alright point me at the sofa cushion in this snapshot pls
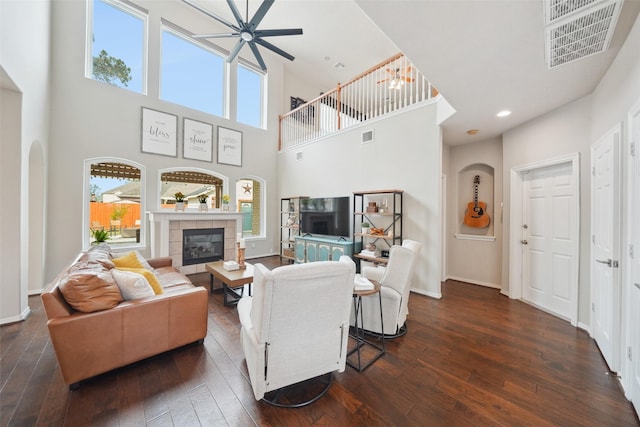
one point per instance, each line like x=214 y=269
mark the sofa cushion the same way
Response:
x=132 y=285
x=151 y=278
x=90 y=290
x=170 y=278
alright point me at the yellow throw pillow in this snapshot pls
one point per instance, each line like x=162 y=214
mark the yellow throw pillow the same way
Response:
x=129 y=260
x=151 y=278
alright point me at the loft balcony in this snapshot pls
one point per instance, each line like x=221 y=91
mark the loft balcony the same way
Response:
x=390 y=86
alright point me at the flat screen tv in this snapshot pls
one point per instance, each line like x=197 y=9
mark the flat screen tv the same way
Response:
x=327 y=216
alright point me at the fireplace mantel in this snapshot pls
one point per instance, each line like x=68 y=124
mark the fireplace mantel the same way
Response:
x=163 y=222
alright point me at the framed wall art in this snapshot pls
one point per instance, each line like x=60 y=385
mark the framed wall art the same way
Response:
x=229 y=146
x=159 y=132
x=197 y=140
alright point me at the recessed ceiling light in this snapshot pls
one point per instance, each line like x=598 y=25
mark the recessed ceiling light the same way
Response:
x=473 y=131
x=503 y=113
x=338 y=66
x=327 y=58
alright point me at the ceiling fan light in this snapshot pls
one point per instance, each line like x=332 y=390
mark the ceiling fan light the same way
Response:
x=246 y=36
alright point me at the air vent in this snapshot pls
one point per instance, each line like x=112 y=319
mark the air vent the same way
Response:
x=558 y=9
x=366 y=137
x=584 y=32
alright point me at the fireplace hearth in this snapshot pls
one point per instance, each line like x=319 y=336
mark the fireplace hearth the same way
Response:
x=202 y=245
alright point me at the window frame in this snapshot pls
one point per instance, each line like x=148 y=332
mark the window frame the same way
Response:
x=86 y=200
x=223 y=178
x=130 y=9
x=263 y=204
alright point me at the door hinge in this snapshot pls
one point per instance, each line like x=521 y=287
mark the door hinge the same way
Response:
x=629 y=354
x=631 y=251
x=632 y=149
x=593 y=170
x=593 y=239
x=593 y=307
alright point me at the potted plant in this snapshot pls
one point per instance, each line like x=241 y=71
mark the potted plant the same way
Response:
x=365 y=227
x=179 y=201
x=203 y=202
x=99 y=236
x=225 y=202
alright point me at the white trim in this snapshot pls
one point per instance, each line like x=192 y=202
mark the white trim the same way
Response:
x=474 y=282
x=475 y=237
x=13 y=319
x=515 y=208
x=427 y=293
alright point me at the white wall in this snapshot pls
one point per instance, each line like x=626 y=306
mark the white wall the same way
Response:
x=24 y=63
x=405 y=155
x=475 y=261
x=92 y=119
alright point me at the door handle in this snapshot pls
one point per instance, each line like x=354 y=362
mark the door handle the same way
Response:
x=608 y=261
x=524 y=242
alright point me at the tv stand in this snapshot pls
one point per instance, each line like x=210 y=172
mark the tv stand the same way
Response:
x=311 y=248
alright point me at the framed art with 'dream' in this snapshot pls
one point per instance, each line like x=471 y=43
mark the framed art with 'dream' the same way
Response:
x=197 y=140
x=229 y=146
x=159 y=132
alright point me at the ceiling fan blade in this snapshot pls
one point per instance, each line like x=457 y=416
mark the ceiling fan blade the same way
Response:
x=256 y=53
x=274 y=49
x=214 y=36
x=257 y=18
x=235 y=50
x=211 y=15
x=236 y=12
x=281 y=32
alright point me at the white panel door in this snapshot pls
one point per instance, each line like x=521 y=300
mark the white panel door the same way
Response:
x=634 y=286
x=549 y=239
x=605 y=226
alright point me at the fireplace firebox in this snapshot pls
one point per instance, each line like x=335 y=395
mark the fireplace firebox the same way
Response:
x=202 y=245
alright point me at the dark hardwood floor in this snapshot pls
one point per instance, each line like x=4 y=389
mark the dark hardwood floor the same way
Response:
x=473 y=358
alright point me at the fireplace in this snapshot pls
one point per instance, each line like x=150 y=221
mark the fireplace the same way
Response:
x=202 y=245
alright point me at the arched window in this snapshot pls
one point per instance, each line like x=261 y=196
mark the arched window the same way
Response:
x=250 y=200
x=114 y=201
x=192 y=183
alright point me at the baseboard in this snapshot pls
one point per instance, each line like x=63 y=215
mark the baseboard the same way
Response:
x=475 y=282
x=437 y=295
x=14 y=319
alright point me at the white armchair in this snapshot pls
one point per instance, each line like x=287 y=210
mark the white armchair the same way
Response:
x=395 y=281
x=296 y=325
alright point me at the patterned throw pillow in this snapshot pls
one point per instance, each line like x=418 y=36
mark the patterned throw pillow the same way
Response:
x=132 y=285
x=151 y=278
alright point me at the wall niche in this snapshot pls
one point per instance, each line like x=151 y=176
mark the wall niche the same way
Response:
x=475 y=220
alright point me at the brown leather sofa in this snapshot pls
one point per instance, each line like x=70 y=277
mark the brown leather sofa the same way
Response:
x=91 y=343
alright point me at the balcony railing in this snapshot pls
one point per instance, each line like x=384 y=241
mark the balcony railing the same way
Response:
x=389 y=86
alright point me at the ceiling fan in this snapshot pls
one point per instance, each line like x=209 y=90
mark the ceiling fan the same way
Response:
x=397 y=78
x=247 y=31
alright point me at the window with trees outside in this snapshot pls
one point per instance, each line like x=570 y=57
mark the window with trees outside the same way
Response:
x=193 y=184
x=191 y=74
x=116 y=48
x=116 y=202
x=250 y=99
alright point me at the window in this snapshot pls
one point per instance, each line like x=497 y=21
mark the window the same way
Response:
x=191 y=75
x=250 y=201
x=249 y=96
x=192 y=183
x=117 y=45
x=114 y=195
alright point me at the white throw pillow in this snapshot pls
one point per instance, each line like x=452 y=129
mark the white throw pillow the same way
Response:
x=132 y=285
x=143 y=261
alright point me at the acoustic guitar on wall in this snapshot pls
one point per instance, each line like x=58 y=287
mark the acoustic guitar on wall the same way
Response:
x=476 y=214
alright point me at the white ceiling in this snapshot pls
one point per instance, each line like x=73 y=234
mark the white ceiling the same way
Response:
x=483 y=55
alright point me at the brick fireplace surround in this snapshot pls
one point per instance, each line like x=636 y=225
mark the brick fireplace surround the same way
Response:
x=166 y=233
